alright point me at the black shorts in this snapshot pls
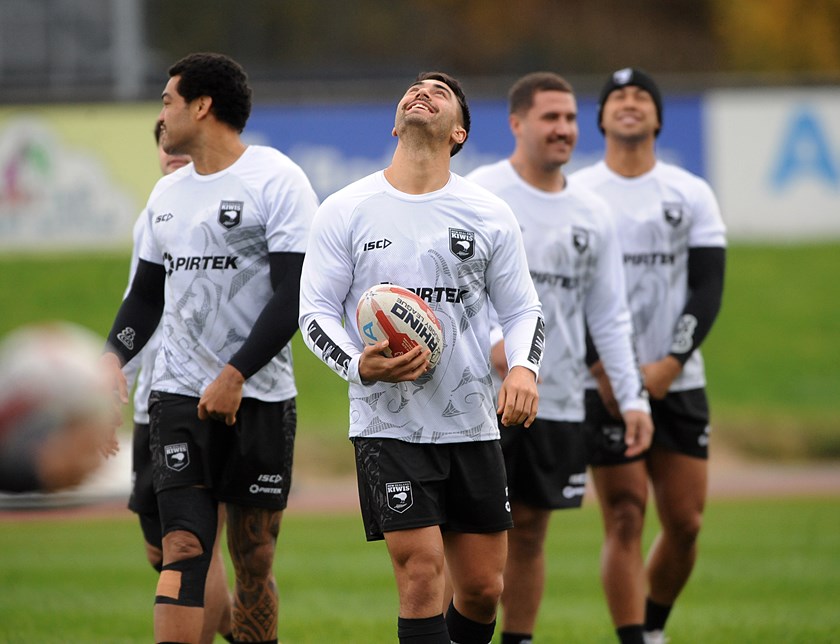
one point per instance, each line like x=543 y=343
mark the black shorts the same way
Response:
x=546 y=463
x=459 y=486
x=680 y=421
x=248 y=464
x=142 y=499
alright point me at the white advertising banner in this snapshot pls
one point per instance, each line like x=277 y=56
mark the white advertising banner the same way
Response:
x=774 y=162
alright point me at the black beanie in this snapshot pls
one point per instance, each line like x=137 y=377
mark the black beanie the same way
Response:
x=637 y=78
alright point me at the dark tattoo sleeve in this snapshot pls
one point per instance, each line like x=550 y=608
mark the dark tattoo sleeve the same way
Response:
x=252 y=539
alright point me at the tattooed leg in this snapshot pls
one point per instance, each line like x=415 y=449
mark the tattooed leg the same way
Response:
x=252 y=538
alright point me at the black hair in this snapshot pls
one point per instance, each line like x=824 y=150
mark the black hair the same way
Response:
x=222 y=79
x=455 y=86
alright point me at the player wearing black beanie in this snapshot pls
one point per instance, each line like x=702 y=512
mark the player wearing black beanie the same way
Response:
x=673 y=242
x=637 y=78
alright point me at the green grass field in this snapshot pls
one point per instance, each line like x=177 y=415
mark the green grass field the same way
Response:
x=773 y=358
x=768 y=572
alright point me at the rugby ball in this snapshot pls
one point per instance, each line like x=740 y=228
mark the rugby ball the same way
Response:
x=392 y=312
x=56 y=405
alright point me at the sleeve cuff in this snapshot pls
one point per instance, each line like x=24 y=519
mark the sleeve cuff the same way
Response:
x=530 y=366
x=637 y=404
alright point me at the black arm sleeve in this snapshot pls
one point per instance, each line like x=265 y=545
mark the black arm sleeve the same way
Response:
x=278 y=321
x=706 y=268
x=591 y=352
x=140 y=312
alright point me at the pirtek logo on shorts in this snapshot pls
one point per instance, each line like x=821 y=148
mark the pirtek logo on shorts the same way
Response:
x=256 y=488
x=177 y=456
x=576 y=486
x=399 y=496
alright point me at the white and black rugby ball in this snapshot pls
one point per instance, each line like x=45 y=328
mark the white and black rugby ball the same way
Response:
x=392 y=312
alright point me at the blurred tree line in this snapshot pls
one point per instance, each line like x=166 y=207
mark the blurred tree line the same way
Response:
x=326 y=39
x=120 y=49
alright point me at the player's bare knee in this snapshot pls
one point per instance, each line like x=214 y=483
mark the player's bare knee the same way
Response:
x=181 y=544
x=481 y=598
x=684 y=531
x=626 y=520
x=418 y=573
x=490 y=593
x=480 y=589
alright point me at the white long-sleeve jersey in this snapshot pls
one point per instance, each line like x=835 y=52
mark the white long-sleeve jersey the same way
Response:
x=575 y=263
x=457 y=248
x=659 y=216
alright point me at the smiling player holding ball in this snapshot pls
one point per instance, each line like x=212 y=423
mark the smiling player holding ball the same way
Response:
x=430 y=470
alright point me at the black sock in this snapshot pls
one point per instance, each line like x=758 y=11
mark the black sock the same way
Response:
x=517 y=638
x=631 y=634
x=229 y=638
x=423 y=630
x=656 y=615
x=463 y=630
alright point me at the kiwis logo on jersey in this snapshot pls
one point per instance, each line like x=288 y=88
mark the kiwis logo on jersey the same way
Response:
x=673 y=213
x=580 y=239
x=462 y=243
x=230 y=214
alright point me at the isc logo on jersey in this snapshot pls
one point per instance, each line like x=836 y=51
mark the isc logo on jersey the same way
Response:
x=379 y=243
x=392 y=312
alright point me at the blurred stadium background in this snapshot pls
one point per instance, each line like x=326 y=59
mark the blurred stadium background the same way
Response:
x=752 y=93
